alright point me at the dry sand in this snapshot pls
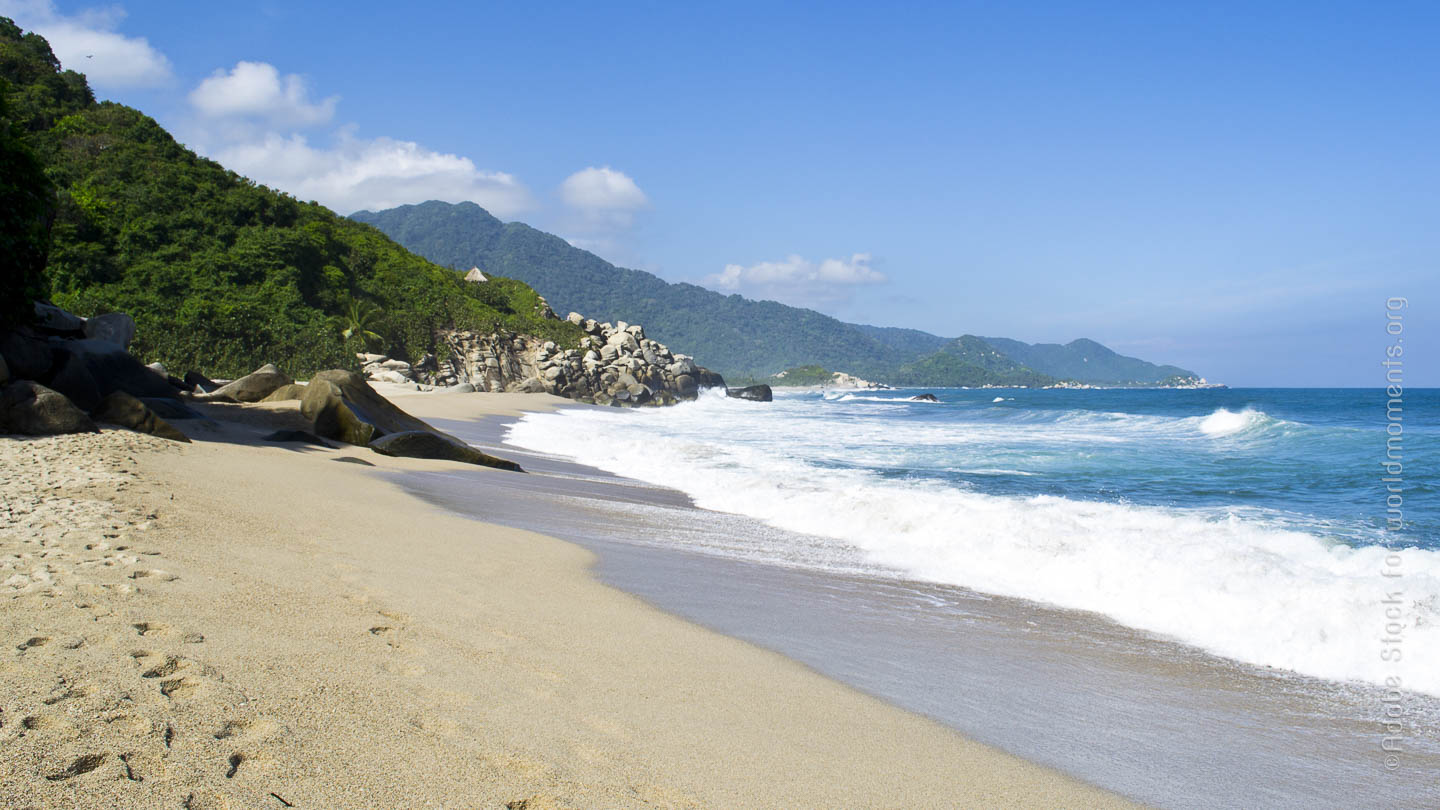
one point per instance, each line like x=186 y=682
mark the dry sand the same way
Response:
x=240 y=624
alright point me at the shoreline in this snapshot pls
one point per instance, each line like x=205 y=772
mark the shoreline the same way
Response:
x=306 y=632
x=1071 y=689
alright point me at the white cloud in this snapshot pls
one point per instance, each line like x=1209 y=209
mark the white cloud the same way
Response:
x=87 y=42
x=605 y=198
x=257 y=90
x=378 y=173
x=249 y=119
x=799 y=281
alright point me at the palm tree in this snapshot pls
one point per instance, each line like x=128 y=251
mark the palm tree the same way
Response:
x=359 y=320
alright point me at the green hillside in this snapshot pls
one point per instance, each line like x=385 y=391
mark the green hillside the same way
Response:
x=219 y=273
x=744 y=339
x=968 y=361
x=734 y=335
x=1086 y=361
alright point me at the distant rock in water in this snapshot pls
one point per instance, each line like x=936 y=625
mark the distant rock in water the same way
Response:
x=754 y=393
x=924 y=398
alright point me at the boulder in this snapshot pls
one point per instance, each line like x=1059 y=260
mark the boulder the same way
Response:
x=116 y=327
x=431 y=444
x=170 y=409
x=57 y=321
x=34 y=410
x=532 y=385
x=462 y=388
x=342 y=406
x=624 y=342
x=87 y=370
x=924 y=398
x=286 y=393
x=754 y=393
x=196 y=381
x=686 y=386
x=29 y=357
x=119 y=408
x=575 y=318
x=253 y=387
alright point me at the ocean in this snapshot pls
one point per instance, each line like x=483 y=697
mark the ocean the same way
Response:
x=1249 y=523
x=1191 y=597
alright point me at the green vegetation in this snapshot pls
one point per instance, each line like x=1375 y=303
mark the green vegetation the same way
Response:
x=1086 y=361
x=29 y=203
x=968 y=361
x=803 y=375
x=747 y=341
x=740 y=338
x=222 y=274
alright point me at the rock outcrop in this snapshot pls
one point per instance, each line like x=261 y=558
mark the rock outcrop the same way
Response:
x=32 y=409
x=344 y=407
x=253 y=387
x=119 y=408
x=433 y=444
x=286 y=393
x=615 y=364
x=754 y=393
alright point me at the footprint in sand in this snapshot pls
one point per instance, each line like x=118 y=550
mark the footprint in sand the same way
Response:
x=248 y=730
x=64 y=692
x=179 y=676
x=153 y=573
x=78 y=767
x=161 y=629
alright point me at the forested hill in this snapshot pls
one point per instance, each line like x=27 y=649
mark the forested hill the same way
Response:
x=734 y=335
x=742 y=338
x=1086 y=361
x=219 y=273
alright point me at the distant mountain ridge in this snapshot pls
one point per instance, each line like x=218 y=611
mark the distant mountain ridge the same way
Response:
x=738 y=336
x=1086 y=361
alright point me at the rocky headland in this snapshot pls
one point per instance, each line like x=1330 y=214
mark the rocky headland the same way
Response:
x=615 y=364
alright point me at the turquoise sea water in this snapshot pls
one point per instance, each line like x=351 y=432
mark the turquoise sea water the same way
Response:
x=1307 y=457
x=1248 y=522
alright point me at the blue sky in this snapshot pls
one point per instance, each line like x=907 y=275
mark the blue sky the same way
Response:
x=1233 y=188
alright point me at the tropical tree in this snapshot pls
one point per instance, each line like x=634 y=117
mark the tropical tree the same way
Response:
x=360 y=319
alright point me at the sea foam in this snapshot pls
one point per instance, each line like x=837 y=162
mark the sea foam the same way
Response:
x=1234 y=582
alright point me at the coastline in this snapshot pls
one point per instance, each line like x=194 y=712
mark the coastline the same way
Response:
x=281 y=628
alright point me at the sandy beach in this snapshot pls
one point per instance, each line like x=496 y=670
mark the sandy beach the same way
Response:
x=235 y=623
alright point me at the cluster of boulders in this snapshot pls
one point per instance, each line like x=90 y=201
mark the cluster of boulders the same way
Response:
x=64 y=374
x=342 y=406
x=615 y=365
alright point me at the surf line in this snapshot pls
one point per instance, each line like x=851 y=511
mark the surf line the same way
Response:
x=1392 y=638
